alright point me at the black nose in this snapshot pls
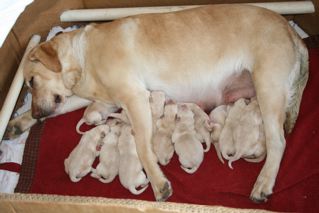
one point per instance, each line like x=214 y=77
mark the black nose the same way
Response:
x=57 y=99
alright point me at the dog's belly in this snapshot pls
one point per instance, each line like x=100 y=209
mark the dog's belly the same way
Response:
x=208 y=91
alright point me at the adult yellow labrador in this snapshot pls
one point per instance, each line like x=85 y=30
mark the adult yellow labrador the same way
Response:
x=210 y=55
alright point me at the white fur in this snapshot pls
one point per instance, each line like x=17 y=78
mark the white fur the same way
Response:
x=130 y=171
x=79 y=162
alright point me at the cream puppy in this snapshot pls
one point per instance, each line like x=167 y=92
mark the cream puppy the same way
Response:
x=162 y=138
x=95 y=114
x=120 y=117
x=202 y=125
x=79 y=162
x=157 y=102
x=187 y=146
x=248 y=135
x=217 y=121
x=108 y=167
x=226 y=139
x=130 y=171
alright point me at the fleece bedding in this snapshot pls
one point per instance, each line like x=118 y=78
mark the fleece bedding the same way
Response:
x=296 y=189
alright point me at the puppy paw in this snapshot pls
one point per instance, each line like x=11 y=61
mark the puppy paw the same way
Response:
x=262 y=189
x=163 y=192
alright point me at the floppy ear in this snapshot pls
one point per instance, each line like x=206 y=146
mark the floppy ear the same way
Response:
x=47 y=55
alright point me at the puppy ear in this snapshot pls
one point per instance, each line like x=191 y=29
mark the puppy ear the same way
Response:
x=47 y=55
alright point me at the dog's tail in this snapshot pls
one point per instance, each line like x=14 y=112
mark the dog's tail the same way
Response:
x=189 y=170
x=298 y=79
x=134 y=191
x=78 y=125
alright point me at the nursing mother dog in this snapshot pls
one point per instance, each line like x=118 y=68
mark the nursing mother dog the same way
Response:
x=210 y=55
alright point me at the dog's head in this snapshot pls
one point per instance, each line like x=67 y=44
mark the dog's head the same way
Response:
x=43 y=75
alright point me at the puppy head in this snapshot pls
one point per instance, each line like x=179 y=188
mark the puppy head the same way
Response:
x=43 y=75
x=170 y=111
x=185 y=113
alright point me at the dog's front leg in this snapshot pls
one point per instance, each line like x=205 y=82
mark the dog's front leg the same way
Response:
x=138 y=110
x=19 y=125
x=25 y=121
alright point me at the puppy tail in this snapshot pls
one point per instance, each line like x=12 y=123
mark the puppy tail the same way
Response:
x=188 y=170
x=208 y=142
x=94 y=173
x=219 y=154
x=137 y=192
x=232 y=159
x=78 y=125
x=298 y=80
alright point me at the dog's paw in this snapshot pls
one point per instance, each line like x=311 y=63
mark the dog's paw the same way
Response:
x=262 y=189
x=19 y=124
x=13 y=131
x=163 y=192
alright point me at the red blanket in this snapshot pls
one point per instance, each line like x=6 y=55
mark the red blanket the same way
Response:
x=296 y=189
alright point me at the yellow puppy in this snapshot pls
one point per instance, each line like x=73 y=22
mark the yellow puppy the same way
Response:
x=130 y=171
x=79 y=162
x=109 y=164
x=162 y=138
x=187 y=146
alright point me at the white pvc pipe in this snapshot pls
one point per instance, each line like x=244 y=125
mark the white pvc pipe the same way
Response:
x=284 y=8
x=15 y=88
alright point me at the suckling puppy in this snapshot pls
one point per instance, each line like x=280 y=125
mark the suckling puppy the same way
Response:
x=162 y=138
x=120 y=116
x=248 y=135
x=217 y=121
x=95 y=114
x=217 y=118
x=130 y=171
x=226 y=139
x=79 y=162
x=108 y=167
x=157 y=102
x=187 y=146
x=202 y=125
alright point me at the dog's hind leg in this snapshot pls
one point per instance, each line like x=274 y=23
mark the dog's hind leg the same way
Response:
x=270 y=79
x=138 y=110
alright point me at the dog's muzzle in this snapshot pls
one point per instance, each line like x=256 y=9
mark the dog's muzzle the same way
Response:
x=38 y=112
